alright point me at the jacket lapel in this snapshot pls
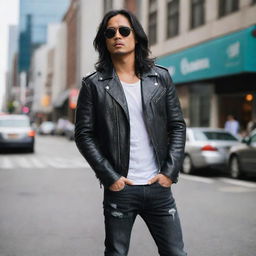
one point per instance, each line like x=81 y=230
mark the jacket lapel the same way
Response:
x=114 y=88
x=149 y=86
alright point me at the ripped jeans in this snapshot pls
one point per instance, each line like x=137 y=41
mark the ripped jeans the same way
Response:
x=156 y=205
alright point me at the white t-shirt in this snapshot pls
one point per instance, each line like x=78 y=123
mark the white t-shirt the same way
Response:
x=142 y=164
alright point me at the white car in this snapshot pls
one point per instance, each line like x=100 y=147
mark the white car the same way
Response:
x=207 y=147
x=16 y=132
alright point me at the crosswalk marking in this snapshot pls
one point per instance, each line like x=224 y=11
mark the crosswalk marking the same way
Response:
x=23 y=162
x=6 y=163
x=38 y=163
x=30 y=162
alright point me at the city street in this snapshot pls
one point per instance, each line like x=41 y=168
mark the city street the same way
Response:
x=51 y=204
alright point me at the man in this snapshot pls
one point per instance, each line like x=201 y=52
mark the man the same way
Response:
x=130 y=129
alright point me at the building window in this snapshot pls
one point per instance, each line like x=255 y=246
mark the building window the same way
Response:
x=108 y=5
x=152 y=22
x=197 y=13
x=227 y=6
x=172 y=18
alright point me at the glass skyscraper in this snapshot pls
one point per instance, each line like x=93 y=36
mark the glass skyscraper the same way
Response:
x=35 y=15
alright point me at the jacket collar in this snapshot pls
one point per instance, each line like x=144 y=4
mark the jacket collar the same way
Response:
x=110 y=73
x=106 y=74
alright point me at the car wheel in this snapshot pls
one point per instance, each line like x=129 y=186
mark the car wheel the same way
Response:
x=187 y=166
x=234 y=167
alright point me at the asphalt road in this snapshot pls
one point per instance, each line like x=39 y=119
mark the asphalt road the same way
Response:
x=51 y=204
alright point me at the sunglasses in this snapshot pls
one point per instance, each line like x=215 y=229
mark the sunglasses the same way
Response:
x=123 y=31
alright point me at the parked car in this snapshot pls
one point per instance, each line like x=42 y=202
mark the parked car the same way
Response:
x=16 y=132
x=70 y=131
x=242 y=158
x=207 y=147
x=47 y=128
x=61 y=126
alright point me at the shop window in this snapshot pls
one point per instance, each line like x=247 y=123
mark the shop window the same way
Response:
x=228 y=6
x=152 y=22
x=172 y=18
x=197 y=13
x=199 y=105
x=183 y=94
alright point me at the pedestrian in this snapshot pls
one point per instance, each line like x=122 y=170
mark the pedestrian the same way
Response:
x=232 y=125
x=130 y=129
x=251 y=126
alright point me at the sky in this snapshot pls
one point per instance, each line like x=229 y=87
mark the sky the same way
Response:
x=9 y=13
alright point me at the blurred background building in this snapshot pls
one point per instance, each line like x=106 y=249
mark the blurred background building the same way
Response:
x=33 y=22
x=11 y=77
x=208 y=46
x=34 y=17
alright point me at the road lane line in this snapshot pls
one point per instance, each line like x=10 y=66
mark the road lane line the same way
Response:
x=238 y=182
x=197 y=178
x=236 y=189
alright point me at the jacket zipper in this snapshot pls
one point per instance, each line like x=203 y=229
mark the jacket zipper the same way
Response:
x=118 y=138
x=159 y=96
x=154 y=146
x=150 y=132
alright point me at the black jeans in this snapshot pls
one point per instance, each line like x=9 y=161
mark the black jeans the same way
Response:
x=156 y=205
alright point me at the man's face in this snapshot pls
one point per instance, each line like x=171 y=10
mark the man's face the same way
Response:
x=120 y=45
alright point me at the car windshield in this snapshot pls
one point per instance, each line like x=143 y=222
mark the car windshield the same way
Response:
x=14 y=123
x=211 y=135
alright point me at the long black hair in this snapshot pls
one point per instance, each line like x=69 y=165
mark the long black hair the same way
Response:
x=142 y=61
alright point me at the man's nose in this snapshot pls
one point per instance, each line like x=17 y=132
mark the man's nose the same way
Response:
x=118 y=35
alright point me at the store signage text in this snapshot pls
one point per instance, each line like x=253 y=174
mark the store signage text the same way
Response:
x=233 y=50
x=187 y=67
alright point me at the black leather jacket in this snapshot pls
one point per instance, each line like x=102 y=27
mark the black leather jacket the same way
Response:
x=102 y=130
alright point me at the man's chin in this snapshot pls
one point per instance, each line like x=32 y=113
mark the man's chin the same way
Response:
x=120 y=53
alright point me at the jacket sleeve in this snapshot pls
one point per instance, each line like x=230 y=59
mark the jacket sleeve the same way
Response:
x=86 y=140
x=176 y=133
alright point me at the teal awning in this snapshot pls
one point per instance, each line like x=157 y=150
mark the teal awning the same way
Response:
x=231 y=54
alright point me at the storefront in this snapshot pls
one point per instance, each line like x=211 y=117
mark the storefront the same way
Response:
x=216 y=78
x=65 y=105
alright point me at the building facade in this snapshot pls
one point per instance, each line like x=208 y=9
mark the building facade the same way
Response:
x=209 y=48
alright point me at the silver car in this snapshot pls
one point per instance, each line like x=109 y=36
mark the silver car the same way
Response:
x=242 y=159
x=16 y=132
x=207 y=147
